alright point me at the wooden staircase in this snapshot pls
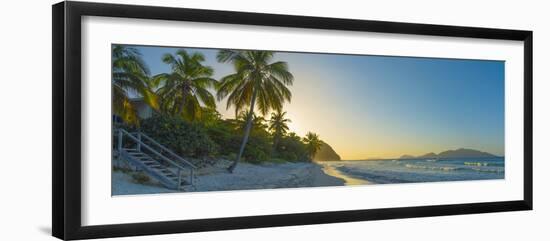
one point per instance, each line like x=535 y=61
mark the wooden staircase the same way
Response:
x=157 y=161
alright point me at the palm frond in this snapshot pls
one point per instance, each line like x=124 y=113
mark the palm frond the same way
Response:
x=185 y=88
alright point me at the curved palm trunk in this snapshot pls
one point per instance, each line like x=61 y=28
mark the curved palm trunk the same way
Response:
x=246 y=133
x=275 y=142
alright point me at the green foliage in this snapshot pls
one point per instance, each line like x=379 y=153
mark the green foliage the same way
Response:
x=313 y=143
x=257 y=80
x=209 y=117
x=292 y=149
x=222 y=138
x=183 y=137
x=228 y=134
x=255 y=72
x=141 y=178
x=186 y=120
x=258 y=124
x=129 y=73
x=278 y=127
x=257 y=149
x=225 y=135
x=232 y=156
x=184 y=89
x=278 y=123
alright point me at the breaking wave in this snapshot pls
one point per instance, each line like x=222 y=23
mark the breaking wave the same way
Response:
x=441 y=168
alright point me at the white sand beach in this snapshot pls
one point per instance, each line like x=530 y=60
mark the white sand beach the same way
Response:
x=245 y=177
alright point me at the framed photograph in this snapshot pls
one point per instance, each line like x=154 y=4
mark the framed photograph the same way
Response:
x=170 y=120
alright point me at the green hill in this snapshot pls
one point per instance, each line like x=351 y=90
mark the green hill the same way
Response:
x=463 y=152
x=458 y=153
x=326 y=153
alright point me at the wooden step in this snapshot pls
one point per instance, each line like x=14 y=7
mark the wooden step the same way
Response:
x=183 y=181
x=138 y=155
x=144 y=158
x=159 y=170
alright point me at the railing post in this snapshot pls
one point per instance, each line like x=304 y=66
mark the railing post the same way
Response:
x=119 y=142
x=179 y=179
x=139 y=141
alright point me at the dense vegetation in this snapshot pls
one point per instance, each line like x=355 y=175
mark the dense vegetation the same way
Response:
x=183 y=137
x=184 y=102
x=222 y=138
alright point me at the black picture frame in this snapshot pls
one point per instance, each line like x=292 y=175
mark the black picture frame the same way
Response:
x=66 y=158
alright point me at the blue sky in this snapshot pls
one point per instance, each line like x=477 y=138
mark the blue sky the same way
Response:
x=383 y=107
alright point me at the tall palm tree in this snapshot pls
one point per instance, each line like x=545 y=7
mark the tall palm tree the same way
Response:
x=313 y=144
x=256 y=79
x=278 y=126
x=130 y=74
x=184 y=89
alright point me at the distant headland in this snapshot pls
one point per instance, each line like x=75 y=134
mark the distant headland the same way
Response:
x=458 y=153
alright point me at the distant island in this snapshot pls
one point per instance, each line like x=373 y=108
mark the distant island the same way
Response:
x=406 y=157
x=458 y=153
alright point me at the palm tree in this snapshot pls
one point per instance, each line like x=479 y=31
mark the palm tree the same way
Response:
x=278 y=125
x=129 y=74
x=257 y=121
x=313 y=144
x=293 y=135
x=184 y=89
x=256 y=79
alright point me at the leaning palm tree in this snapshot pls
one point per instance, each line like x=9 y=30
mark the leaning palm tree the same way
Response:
x=184 y=89
x=313 y=144
x=256 y=80
x=278 y=126
x=129 y=75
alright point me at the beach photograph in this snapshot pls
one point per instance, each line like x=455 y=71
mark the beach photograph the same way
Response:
x=187 y=119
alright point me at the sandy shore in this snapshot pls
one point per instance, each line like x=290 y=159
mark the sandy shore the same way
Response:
x=245 y=177
x=332 y=171
x=122 y=184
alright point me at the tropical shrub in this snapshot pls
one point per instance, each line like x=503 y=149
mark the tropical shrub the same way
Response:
x=292 y=149
x=223 y=133
x=228 y=134
x=257 y=149
x=183 y=137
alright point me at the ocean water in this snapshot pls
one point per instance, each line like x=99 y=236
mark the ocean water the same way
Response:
x=422 y=170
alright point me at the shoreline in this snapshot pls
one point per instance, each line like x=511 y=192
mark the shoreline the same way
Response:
x=349 y=181
x=245 y=177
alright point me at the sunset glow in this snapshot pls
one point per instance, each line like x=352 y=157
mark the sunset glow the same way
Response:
x=384 y=107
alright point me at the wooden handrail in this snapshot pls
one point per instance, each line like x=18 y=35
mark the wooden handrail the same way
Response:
x=151 y=149
x=168 y=150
